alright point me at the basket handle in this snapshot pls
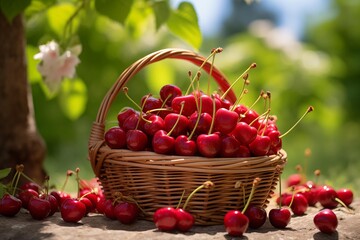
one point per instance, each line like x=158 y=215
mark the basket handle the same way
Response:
x=98 y=129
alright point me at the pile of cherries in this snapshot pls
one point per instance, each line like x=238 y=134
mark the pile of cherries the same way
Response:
x=193 y=122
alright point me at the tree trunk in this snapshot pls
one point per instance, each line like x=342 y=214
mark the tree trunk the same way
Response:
x=20 y=142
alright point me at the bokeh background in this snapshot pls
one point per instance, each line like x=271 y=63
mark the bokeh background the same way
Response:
x=307 y=53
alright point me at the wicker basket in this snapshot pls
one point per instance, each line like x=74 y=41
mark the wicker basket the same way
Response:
x=156 y=180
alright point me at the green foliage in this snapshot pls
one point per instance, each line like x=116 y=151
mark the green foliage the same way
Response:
x=73 y=98
x=161 y=11
x=12 y=8
x=116 y=10
x=4 y=172
x=184 y=23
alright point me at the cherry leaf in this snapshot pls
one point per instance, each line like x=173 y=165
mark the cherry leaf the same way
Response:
x=183 y=22
x=161 y=11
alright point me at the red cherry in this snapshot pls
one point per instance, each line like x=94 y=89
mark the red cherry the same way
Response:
x=88 y=204
x=60 y=196
x=53 y=204
x=72 y=210
x=115 y=137
x=207 y=104
x=109 y=209
x=244 y=152
x=345 y=195
x=39 y=208
x=100 y=205
x=151 y=103
x=294 y=179
x=136 y=140
x=229 y=146
x=256 y=215
x=282 y=198
x=236 y=223
x=31 y=185
x=132 y=121
x=169 y=92
x=209 y=145
x=185 y=220
x=124 y=114
x=126 y=212
x=165 y=219
x=184 y=146
x=244 y=133
x=156 y=123
x=299 y=204
x=25 y=196
x=178 y=128
x=327 y=196
x=162 y=143
x=203 y=125
x=225 y=120
x=326 y=221
x=260 y=146
x=279 y=217
x=189 y=104
x=9 y=205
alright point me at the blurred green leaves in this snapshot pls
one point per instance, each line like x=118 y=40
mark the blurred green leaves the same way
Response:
x=11 y=8
x=116 y=10
x=73 y=98
x=183 y=22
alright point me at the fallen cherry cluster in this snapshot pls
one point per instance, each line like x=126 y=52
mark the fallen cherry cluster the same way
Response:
x=197 y=123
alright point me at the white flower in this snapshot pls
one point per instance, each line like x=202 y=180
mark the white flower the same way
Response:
x=54 y=67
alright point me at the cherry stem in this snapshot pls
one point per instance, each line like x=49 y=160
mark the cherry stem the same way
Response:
x=278 y=171
x=125 y=90
x=197 y=121
x=213 y=116
x=123 y=198
x=47 y=178
x=68 y=174
x=255 y=183
x=213 y=52
x=210 y=73
x=317 y=175
x=258 y=98
x=292 y=197
x=207 y=184
x=310 y=109
x=178 y=119
x=181 y=198
x=239 y=184
x=253 y=65
x=344 y=205
x=78 y=182
x=141 y=113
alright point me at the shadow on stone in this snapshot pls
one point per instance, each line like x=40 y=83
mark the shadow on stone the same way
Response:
x=324 y=236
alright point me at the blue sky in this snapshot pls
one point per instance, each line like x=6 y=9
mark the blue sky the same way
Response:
x=292 y=13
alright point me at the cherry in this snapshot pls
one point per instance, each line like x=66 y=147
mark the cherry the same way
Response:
x=185 y=220
x=260 y=146
x=225 y=120
x=297 y=203
x=203 y=125
x=256 y=215
x=163 y=143
x=345 y=195
x=132 y=121
x=327 y=197
x=281 y=199
x=326 y=221
x=229 y=146
x=39 y=208
x=244 y=152
x=136 y=140
x=236 y=223
x=279 y=217
x=154 y=124
x=54 y=205
x=87 y=193
x=100 y=205
x=124 y=114
x=209 y=145
x=294 y=179
x=165 y=219
x=169 y=92
x=126 y=212
x=109 y=209
x=60 y=196
x=176 y=123
x=189 y=104
x=207 y=105
x=9 y=205
x=115 y=137
x=88 y=204
x=25 y=196
x=185 y=146
x=72 y=210
x=31 y=185
x=244 y=133
x=150 y=103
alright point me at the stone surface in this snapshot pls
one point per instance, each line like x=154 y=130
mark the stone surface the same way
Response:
x=96 y=226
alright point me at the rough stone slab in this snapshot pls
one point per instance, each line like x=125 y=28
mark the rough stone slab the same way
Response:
x=96 y=226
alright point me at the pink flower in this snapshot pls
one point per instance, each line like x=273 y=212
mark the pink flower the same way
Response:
x=54 y=67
